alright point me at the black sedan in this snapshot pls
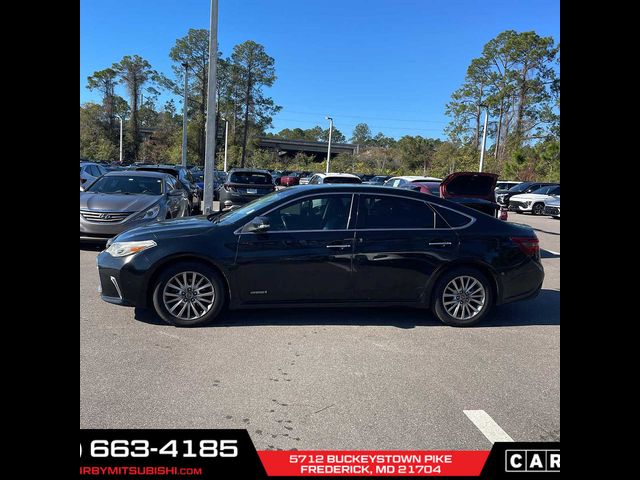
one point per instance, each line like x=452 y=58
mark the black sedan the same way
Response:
x=325 y=245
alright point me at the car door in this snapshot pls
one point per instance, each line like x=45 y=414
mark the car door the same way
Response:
x=304 y=256
x=399 y=243
x=174 y=202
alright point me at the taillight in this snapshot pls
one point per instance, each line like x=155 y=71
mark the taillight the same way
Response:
x=504 y=215
x=530 y=246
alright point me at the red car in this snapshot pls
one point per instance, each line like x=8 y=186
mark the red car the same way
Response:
x=290 y=180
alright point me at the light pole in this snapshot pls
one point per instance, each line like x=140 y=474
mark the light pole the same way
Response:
x=184 y=117
x=329 y=147
x=226 y=136
x=210 y=139
x=484 y=135
x=120 y=118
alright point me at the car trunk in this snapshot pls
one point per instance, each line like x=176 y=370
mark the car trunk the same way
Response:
x=473 y=189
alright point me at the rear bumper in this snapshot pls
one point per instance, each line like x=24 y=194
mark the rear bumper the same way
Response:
x=521 y=283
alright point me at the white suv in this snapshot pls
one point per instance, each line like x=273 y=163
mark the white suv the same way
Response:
x=534 y=202
x=407 y=179
x=324 y=178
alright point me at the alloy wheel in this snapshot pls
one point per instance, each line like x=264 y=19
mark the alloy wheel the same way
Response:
x=464 y=297
x=188 y=295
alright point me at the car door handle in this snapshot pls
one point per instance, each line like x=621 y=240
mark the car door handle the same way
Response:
x=338 y=246
x=439 y=244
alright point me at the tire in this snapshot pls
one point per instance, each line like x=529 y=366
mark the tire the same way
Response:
x=465 y=317
x=537 y=209
x=168 y=299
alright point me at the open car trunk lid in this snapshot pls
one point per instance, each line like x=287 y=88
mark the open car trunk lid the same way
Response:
x=469 y=185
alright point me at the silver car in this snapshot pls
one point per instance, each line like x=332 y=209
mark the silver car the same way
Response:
x=552 y=207
x=89 y=171
x=121 y=200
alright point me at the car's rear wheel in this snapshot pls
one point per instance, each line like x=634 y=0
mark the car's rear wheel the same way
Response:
x=462 y=297
x=188 y=294
x=538 y=209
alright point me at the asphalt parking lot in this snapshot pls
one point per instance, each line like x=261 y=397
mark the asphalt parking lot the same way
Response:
x=329 y=378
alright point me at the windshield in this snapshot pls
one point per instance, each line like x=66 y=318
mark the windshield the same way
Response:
x=127 y=185
x=521 y=187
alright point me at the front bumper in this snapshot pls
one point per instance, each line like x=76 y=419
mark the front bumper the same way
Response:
x=553 y=211
x=515 y=206
x=100 y=232
x=123 y=280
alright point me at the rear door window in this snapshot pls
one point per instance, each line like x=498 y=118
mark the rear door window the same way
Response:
x=387 y=212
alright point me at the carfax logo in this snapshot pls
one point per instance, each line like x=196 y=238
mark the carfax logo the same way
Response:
x=532 y=460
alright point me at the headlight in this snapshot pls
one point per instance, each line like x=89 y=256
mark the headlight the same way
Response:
x=151 y=213
x=122 y=249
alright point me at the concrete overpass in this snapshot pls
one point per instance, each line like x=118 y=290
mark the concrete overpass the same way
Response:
x=288 y=148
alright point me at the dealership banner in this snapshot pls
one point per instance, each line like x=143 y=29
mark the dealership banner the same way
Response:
x=373 y=463
x=204 y=454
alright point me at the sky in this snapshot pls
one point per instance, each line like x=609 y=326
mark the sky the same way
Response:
x=392 y=64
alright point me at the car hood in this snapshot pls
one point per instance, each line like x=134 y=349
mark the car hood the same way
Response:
x=178 y=227
x=469 y=185
x=116 y=203
x=523 y=197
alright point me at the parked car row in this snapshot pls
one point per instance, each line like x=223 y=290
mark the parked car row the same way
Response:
x=529 y=197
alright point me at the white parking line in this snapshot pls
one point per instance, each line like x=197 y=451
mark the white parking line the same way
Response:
x=551 y=252
x=487 y=426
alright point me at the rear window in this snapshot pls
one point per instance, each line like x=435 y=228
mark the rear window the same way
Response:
x=253 y=178
x=342 y=180
x=447 y=218
x=470 y=185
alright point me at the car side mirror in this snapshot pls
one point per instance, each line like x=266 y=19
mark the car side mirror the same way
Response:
x=258 y=224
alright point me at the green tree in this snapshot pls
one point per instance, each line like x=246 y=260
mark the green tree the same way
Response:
x=134 y=72
x=361 y=134
x=253 y=70
x=193 y=50
x=95 y=143
x=336 y=136
x=416 y=152
x=516 y=77
x=104 y=81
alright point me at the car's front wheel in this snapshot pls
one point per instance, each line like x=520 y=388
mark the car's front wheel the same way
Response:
x=538 y=209
x=462 y=297
x=188 y=294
